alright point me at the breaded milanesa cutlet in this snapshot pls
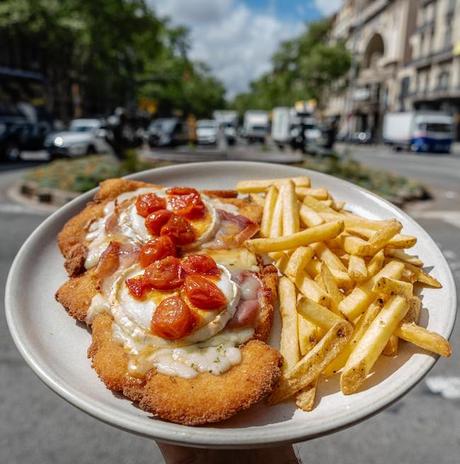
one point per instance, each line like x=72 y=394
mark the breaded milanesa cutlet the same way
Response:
x=203 y=399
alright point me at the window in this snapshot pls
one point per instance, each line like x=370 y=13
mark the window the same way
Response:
x=443 y=80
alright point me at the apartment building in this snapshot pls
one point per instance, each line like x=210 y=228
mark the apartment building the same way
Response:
x=406 y=55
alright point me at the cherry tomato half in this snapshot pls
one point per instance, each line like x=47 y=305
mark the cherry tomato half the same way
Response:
x=203 y=293
x=138 y=287
x=200 y=264
x=179 y=230
x=173 y=319
x=148 y=203
x=155 y=249
x=156 y=220
x=186 y=202
x=165 y=274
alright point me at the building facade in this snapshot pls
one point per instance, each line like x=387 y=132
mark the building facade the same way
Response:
x=406 y=55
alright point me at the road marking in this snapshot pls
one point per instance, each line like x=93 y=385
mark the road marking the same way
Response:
x=447 y=387
x=451 y=217
x=10 y=208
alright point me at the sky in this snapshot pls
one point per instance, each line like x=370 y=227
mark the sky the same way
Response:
x=236 y=38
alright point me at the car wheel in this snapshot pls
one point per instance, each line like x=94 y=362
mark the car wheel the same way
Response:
x=13 y=153
x=91 y=150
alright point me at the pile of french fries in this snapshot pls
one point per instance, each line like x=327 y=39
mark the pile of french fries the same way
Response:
x=348 y=290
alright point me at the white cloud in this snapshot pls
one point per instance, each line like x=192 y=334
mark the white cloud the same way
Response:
x=327 y=7
x=233 y=40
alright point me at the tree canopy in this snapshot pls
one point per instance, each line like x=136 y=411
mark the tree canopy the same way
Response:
x=116 y=51
x=303 y=68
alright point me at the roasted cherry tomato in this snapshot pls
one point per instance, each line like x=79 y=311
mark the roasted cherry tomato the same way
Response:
x=156 y=220
x=181 y=191
x=200 y=264
x=186 y=202
x=155 y=249
x=173 y=319
x=203 y=293
x=165 y=274
x=148 y=203
x=179 y=230
x=138 y=287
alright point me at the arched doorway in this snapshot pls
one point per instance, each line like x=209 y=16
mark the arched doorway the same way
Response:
x=374 y=51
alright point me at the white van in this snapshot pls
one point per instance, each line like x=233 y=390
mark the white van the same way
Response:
x=419 y=131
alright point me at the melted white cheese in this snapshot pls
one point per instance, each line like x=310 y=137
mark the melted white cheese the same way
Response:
x=211 y=348
x=132 y=226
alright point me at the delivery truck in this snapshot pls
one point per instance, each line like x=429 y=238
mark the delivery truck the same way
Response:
x=255 y=125
x=419 y=131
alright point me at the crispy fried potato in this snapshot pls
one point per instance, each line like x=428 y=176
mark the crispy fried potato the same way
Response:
x=371 y=345
x=305 y=399
x=305 y=237
x=309 y=368
x=356 y=302
x=257 y=186
x=269 y=207
x=317 y=314
x=297 y=262
x=389 y=286
x=290 y=209
x=357 y=269
x=309 y=217
x=423 y=338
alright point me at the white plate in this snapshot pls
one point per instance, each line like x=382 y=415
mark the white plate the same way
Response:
x=55 y=346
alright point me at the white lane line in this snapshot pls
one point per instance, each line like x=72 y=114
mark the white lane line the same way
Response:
x=451 y=217
x=447 y=387
x=10 y=208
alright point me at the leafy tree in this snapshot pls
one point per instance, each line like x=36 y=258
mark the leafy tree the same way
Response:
x=115 y=51
x=302 y=68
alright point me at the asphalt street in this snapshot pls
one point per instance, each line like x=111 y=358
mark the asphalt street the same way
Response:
x=37 y=426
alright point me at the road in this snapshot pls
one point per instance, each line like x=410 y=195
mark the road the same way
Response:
x=37 y=426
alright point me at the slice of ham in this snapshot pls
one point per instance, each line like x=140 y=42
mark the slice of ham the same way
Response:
x=116 y=255
x=234 y=230
x=245 y=315
x=247 y=310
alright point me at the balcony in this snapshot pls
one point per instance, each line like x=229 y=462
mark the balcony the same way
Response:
x=433 y=57
x=438 y=93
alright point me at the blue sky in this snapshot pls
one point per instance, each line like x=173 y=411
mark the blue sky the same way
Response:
x=236 y=38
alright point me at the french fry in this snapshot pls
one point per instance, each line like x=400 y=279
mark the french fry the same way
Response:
x=305 y=237
x=354 y=245
x=356 y=302
x=320 y=208
x=392 y=346
x=257 y=186
x=402 y=256
x=308 y=335
x=391 y=286
x=375 y=264
x=337 y=268
x=276 y=225
x=305 y=399
x=289 y=344
x=415 y=305
x=357 y=269
x=338 y=205
x=398 y=241
x=269 y=207
x=309 y=217
x=313 y=267
x=331 y=288
x=422 y=277
x=290 y=209
x=257 y=198
x=317 y=314
x=297 y=262
x=371 y=345
x=318 y=193
x=423 y=338
x=360 y=329
x=312 y=290
x=309 y=368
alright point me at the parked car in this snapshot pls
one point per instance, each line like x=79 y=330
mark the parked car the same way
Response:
x=419 y=131
x=167 y=132
x=84 y=137
x=255 y=126
x=207 y=132
x=18 y=133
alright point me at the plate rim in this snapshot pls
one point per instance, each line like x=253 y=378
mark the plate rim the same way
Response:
x=209 y=436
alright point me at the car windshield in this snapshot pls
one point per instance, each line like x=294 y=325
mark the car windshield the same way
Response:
x=163 y=125
x=208 y=125
x=437 y=127
x=77 y=126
